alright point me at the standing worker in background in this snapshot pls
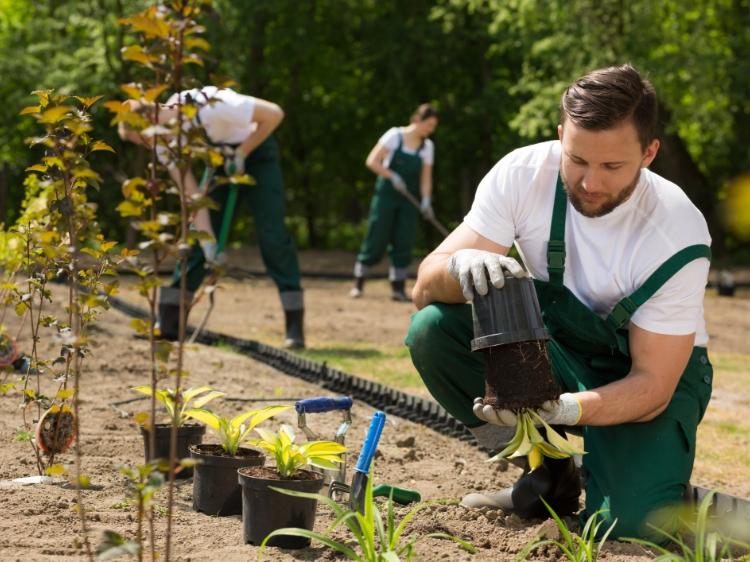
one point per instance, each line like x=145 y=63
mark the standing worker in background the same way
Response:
x=403 y=160
x=620 y=258
x=241 y=127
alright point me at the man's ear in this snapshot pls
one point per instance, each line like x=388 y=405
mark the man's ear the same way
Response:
x=650 y=153
x=560 y=132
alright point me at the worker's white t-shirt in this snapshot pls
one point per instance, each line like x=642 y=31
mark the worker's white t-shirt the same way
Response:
x=390 y=141
x=226 y=116
x=608 y=257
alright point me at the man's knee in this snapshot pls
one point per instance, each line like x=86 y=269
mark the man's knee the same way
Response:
x=424 y=329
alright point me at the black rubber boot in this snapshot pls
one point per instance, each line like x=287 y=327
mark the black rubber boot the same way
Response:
x=169 y=321
x=295 y=332
x=397 y=291
x=358 y=288
x=557 y=481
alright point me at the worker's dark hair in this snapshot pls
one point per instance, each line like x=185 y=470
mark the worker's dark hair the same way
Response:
x=424 y=111
x=604 y=98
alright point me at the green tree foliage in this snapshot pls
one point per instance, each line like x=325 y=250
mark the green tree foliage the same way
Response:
x=346 y=70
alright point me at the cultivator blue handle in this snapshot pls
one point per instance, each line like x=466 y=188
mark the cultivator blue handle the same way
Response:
x=371 y=442
x=323 y=404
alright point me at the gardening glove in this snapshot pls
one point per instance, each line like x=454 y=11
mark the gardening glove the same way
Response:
x=234 y=165
x=209 y=250
x=425 y=207
x=468 y=268
x=398 y=182
x=564 y=411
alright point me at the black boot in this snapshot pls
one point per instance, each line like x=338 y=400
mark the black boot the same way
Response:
x=557 y=481
x=358 y=288
x=168 y=320
x=397 y=291
x=295 y=333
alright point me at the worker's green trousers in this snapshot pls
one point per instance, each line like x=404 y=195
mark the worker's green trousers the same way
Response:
x=637 y=467
x=266 y=203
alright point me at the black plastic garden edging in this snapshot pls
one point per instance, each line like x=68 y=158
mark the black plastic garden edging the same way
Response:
x=391 y=401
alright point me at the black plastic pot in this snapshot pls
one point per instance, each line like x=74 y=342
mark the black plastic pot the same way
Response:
x=508 y=329
x=216 y=490
x=507 y=315
x=265 y=510
x=188 y=434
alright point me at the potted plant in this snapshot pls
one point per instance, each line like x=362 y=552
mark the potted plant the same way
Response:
x=379 y=536
x=187 y=433
x=216 y=490
x=508 y=329
x=263 y=508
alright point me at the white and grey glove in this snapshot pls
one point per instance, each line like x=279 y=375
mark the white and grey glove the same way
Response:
x=425 y=207
x=468 y=268
x=564 y=411
x=234 y=165
x=209 y=250
x=398 y=182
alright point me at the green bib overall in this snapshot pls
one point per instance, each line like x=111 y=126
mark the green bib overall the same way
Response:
x=633 y=468
x=265 y=200
x=392 y=219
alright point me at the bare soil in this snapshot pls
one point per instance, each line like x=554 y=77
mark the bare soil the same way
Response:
x=40 y=522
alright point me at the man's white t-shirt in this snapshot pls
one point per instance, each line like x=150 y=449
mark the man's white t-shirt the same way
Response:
x=226 y=115
x=608 y=257
x=390 y=140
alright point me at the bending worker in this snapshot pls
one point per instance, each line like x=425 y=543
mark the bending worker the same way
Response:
x=241 y=126
x=619 y=258
x=402 y=159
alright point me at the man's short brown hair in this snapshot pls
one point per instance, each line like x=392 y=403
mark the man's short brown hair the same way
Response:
x=605 y=98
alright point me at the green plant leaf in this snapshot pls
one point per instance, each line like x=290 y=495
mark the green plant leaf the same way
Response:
x=204 y=416
x=206 y=398
x=312 y=535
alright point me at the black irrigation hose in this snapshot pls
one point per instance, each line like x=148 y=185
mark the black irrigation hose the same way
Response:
x=413 y=408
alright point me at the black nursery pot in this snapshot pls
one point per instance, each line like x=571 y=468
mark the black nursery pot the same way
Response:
x=216 y=490
x=508 y=315
x=265 y=510
x=508 y=329
x=188 y=434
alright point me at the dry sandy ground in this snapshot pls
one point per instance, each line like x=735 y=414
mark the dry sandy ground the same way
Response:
x=40 y=522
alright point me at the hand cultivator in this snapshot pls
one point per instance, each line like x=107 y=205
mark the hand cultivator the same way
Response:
x=319 y=405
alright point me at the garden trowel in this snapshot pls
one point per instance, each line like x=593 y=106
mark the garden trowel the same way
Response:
x=362 y=471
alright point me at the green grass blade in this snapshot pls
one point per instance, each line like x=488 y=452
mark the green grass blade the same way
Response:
x=337 y=509
x=466 y=545
x=312 y=535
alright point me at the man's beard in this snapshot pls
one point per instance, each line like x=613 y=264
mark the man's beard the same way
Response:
x=607 y=206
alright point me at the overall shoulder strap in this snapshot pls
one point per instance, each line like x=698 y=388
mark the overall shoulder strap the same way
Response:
x=556 y=244
x=623 y=310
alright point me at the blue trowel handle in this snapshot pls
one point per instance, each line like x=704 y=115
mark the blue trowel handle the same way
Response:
x=323 y=404
x=371 y=442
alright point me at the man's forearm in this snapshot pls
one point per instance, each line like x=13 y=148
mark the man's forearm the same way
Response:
x=630 y=400
x=435 y=284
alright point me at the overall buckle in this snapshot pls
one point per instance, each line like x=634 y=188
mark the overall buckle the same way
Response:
x=556 y=254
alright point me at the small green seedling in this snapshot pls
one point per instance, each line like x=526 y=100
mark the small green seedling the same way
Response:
x=290 y=456
x=575 y=548
x=234 y=432
x=379 y=540
x=528 y=441
x=189 y=398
